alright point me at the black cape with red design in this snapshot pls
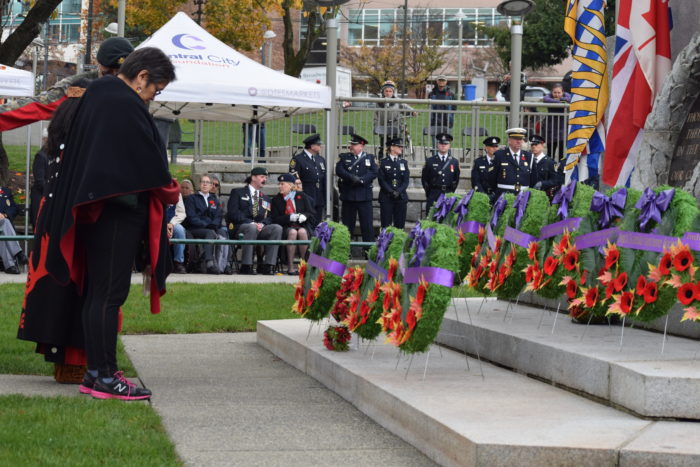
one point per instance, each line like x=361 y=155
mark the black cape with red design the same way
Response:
x=113 y=149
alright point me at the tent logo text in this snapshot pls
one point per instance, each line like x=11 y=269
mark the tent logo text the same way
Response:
x=179 y=38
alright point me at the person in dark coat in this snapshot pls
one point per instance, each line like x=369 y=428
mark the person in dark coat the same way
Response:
x=294 y=211
x=442 y=115
x=108 y=200
x=11 y=254
x=545 y=171
x=440 y=173
x=484 y=169
x=310 y=167
x=393 y=177
x=513 y=164
x=555 y=122
x=249 y=213
x=203 y=219
x=356 y=170
x=40 y=174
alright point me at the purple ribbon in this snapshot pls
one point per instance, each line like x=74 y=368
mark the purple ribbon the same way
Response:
x=470 y=227
x=383 y=243
x=432 y=275
x=323 y=232
x=520 y=206
x=498 y=209
x=519 y=238
x=645 y=241
x=443 y=207
x=692 y=239
x=462 y=208
x=598 y=238
x=421 y=243
x=557 y=228
x=376 y=271
x=326 y=264
x=652 y=205
x=414 y=231
x=609 y=206
x=563 y=197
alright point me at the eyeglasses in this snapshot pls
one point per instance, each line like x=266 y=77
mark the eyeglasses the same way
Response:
x=205 y=182
x=216 y=185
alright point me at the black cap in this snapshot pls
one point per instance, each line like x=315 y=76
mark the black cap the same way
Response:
x=289 y=178
x=113 y=51
x=444 y=138
x=357 y=139
x=396 y=142
x=536 y=139
x=313 y=139
x=492 y=141
x=259 y=171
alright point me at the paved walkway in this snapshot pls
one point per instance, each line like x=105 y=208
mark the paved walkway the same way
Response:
x=224 y=400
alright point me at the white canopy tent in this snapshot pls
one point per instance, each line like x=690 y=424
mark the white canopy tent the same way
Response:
x=16 y=83
x=215 y=82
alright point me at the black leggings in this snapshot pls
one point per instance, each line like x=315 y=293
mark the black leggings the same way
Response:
x=111 y=244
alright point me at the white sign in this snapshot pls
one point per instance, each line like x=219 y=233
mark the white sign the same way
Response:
x=343 y=79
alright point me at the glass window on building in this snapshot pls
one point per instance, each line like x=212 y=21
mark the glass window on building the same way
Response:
x=436 y=18
x=387 y=23
x=371 y=27
x=355 y=27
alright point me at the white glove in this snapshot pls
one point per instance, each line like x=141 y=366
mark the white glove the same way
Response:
x=294 y=217
x=302 y=218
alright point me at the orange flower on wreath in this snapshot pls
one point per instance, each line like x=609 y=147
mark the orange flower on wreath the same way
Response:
x=665 y=264
x=626 y=300
x=612 y=256
x=564 y=243
x=532 y=250
x=620 y=282
x=641 y=285
x=550 y=265
x=584 y=275
x=686 y=293
x=682 y=260
x=571 y=289
x=651 y=292
x=571 y=259
x=591 y=296
x=480 y=236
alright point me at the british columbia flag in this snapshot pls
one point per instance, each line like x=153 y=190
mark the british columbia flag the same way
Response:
x=642 y=61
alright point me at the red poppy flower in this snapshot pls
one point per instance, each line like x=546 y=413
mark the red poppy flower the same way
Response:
x=572 y=289
x=480 y=235
x=564 y=243
x=529 y=273
x=532 y=250
x=626 y=300
x=571 y=259
x=591 y=296
x=641 y=285
x=420 y=294
x=682 y=260
x=612 y=257
x=609 y=290
x=583 y=276
x=620 y=282
x=665 y=264
x=686 y=293
x=550 y=265
x=651 y=292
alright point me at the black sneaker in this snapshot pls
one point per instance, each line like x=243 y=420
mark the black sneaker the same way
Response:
x=120 y=388
x=87 y=384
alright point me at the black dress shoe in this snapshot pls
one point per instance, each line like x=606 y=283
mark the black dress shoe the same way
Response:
x=265 y=270
x=179 y=268
x=247 y=269
x=21 y=258
x=228 y=270
x=12 y=270
x=213 y=270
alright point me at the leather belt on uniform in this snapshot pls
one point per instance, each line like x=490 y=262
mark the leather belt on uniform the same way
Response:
x=511 y=187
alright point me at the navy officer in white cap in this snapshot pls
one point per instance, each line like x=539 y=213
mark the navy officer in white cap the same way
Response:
x=513 y=164
x=356 y=170
x=441 y=172
x=484 y=169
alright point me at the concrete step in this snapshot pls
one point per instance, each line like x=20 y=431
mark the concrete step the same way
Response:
x=644 y=375
x=456 y=416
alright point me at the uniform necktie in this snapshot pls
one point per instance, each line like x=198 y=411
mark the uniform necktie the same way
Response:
x=256 y=200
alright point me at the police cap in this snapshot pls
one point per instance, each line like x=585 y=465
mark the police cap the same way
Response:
x=396 y=142
x=444 y=138
x=313 y=139
x=357 y=139
x=492 y=141
x=536 y=139
x=113 y=51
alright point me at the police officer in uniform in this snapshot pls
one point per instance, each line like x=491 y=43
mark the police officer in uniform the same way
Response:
x=545 y=171
x=393 y=178
x=513 y=164
x=356 y=170
x=484 y=169
x=441 y=172
x=310 y=167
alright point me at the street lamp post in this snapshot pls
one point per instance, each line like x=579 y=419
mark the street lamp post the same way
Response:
x=403 y=52
x=515 y=9
x=460 y=18
x=268 y=36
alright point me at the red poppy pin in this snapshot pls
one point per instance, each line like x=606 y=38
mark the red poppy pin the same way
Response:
x=298 y=196
x=522 y=158
x=211 y=202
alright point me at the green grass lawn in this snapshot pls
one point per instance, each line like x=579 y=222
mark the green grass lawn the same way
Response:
x=81 y=431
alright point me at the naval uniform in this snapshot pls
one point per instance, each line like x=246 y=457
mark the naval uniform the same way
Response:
x=440 y=175
x=393 y=178
x=512 y=170
x=484 y=176
x=545 y=170
x=355 y=185
x=311 y=170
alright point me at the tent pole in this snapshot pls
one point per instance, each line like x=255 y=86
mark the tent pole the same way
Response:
x=332 y=115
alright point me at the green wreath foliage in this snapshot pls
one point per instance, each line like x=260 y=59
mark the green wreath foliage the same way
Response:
x=439 y=254
x=580 y=207
x=531 y=223
x=337 y=249
x=479 y=211
x=370 y=329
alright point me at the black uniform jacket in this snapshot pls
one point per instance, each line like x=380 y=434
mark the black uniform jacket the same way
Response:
x=438 y=175
x=484 y=175
x=510 y=173
x=393 y=176
x=203 y=214
x=363 y=167
x=312 y=175
x=240 y=208
x=302 y=205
